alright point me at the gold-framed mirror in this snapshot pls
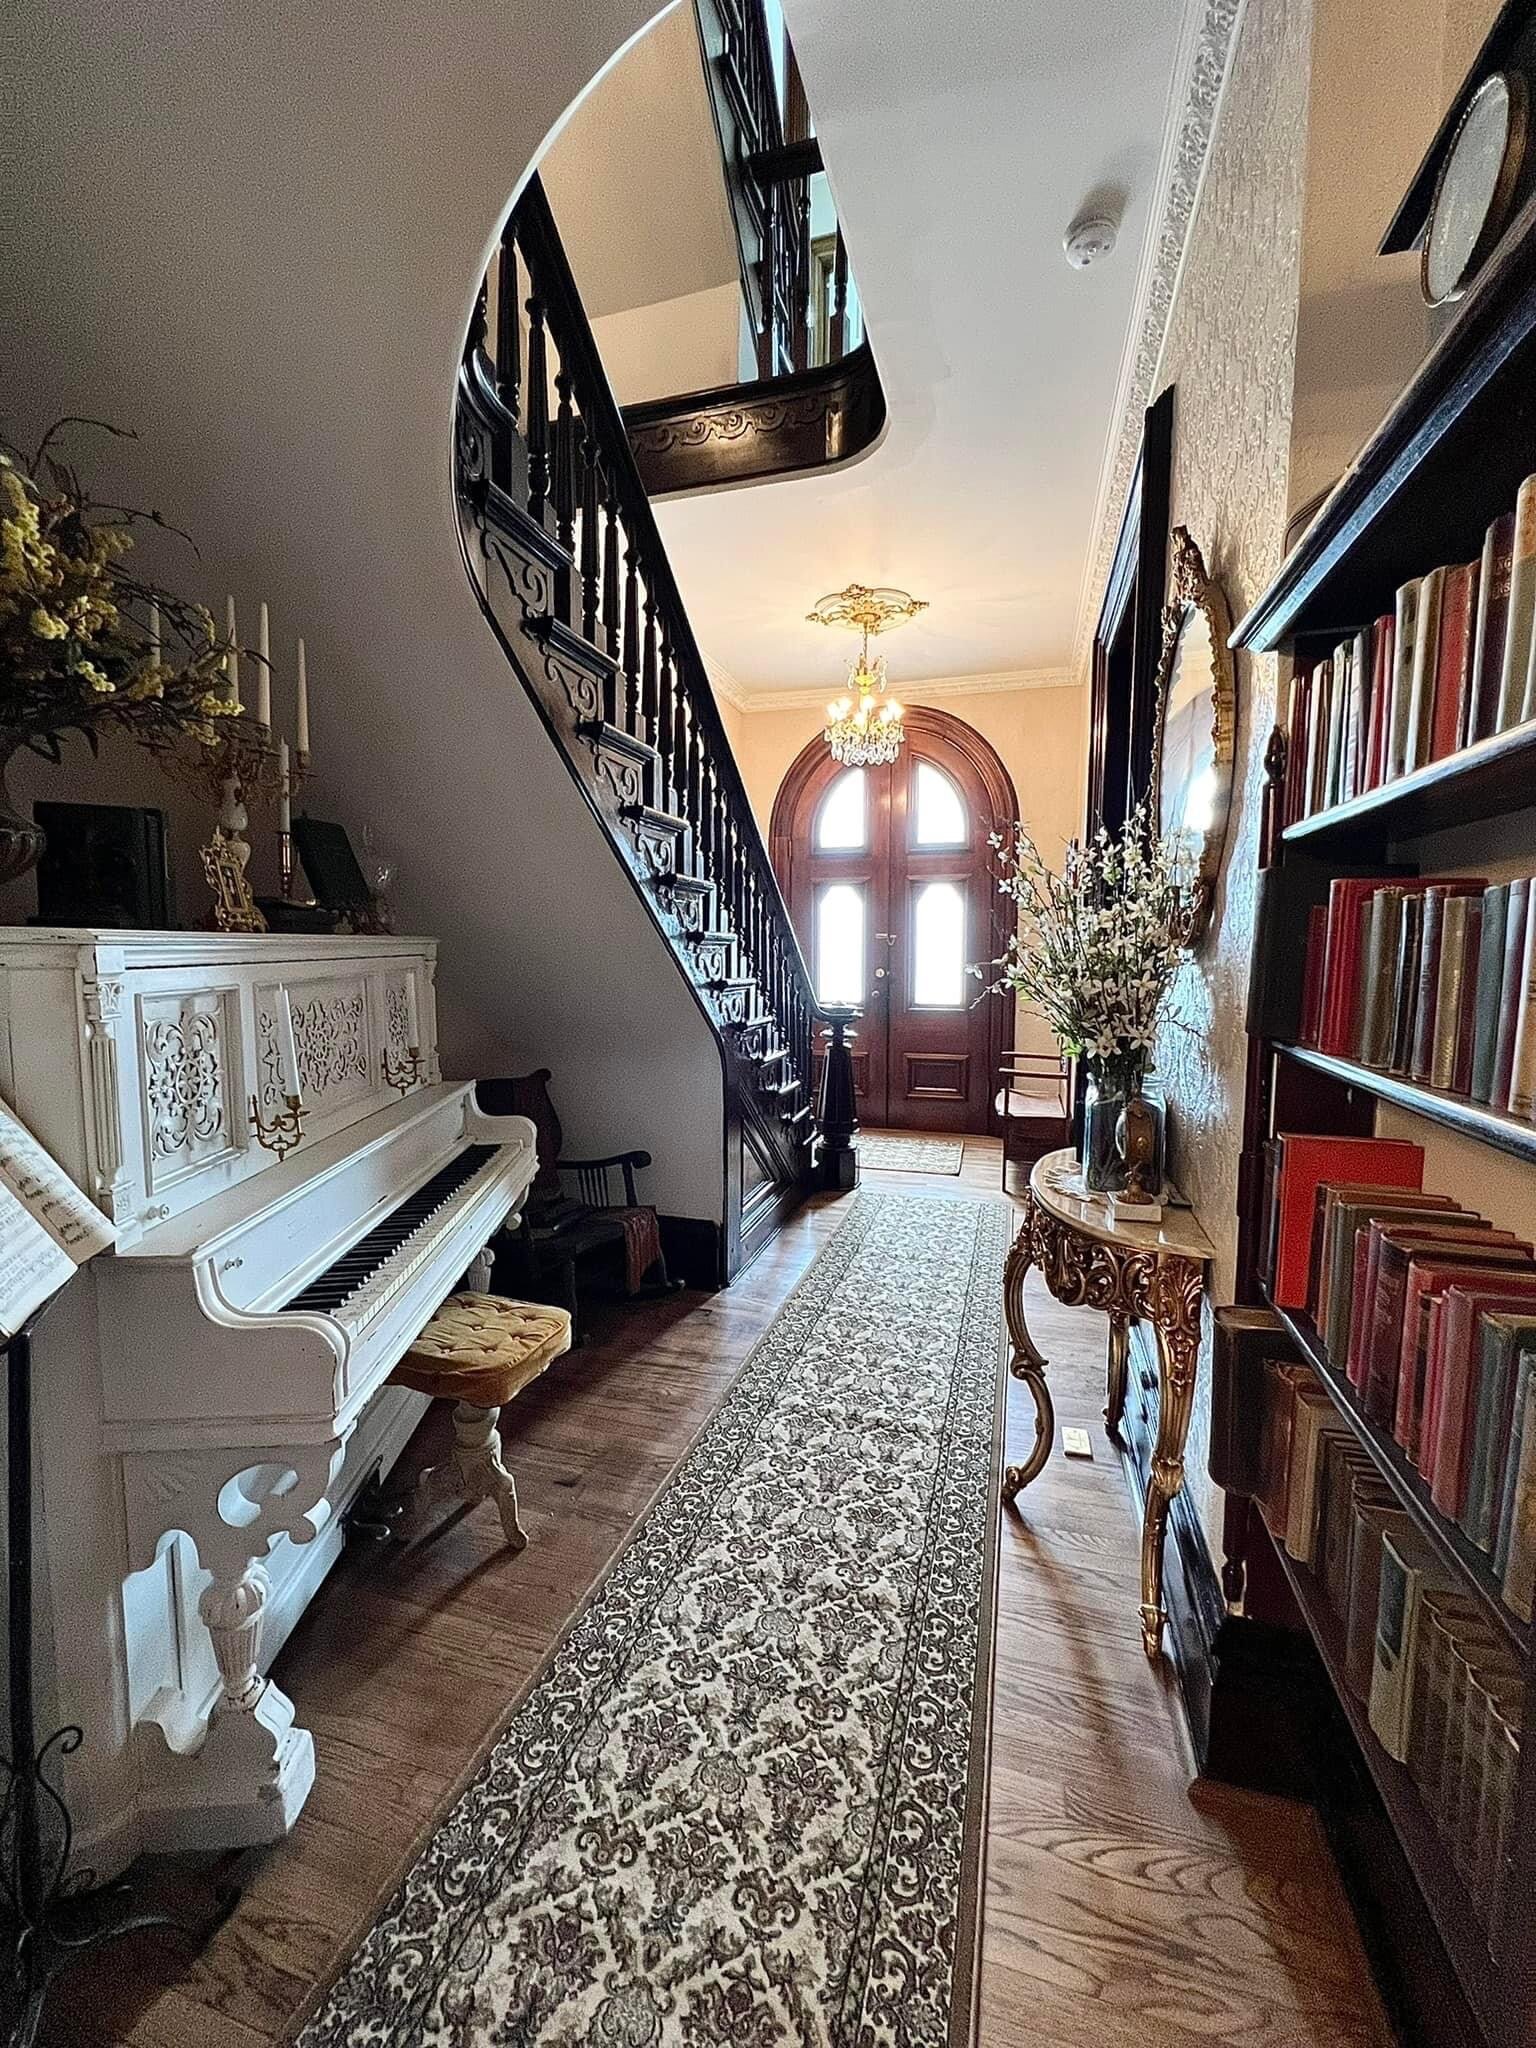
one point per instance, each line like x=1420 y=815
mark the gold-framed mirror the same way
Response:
x=1196 y=724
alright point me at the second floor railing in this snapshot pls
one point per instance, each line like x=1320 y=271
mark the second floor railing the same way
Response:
x=795 y=263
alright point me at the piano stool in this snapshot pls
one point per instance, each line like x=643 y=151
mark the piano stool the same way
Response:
x=479 y=1351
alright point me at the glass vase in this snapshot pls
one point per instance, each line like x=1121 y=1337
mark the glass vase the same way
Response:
x=1106 y=1091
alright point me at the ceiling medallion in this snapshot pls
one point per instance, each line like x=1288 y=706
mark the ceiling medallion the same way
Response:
x=864 y=728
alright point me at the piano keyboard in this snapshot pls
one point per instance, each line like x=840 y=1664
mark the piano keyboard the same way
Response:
x=374 y=1269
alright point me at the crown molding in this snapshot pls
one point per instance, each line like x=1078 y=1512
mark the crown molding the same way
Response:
x=1207 y=36
x=908 y=691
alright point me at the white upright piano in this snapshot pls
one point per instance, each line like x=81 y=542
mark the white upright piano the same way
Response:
x=210 y=1395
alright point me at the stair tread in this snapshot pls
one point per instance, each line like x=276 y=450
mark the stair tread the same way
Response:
x=547 y=626
x=654 y=820
x=617 y=740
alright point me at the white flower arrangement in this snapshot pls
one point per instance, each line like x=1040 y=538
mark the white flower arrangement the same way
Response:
x=1097 y=946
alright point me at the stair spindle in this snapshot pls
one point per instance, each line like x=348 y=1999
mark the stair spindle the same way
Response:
x=695 y=799
x=590 y=551
x=800 y=300
x=536 y=423
x=509 y=323
x=837 y=330
x=641 y=682
x=680 y=720
x=611 y=552
x=564 y=490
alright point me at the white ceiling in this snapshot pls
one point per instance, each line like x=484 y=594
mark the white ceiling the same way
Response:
x=959 y=142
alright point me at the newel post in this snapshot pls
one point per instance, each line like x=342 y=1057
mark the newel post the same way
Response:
x=836 y=1111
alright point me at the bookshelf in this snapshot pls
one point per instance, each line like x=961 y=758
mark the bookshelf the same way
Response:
x=1459 y=1557
x=1444 y=1892
x=1447 y=461
x=1459 y=1113
x=1487 y=780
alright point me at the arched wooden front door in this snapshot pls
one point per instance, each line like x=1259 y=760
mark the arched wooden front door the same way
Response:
x=888 y=874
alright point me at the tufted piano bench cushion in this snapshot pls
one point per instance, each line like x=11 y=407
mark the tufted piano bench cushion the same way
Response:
x=483 y=1349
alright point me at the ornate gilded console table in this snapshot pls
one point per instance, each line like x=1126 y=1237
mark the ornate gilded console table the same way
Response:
x=1134 y=1272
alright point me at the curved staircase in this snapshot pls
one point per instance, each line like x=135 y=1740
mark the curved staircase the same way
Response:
x=565 y=555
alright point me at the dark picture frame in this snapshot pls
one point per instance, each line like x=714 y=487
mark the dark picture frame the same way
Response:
x=332 y=867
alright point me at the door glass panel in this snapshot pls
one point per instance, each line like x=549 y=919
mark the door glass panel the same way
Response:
x=840 y=944
x=938 y=946
x=938 y=807
x=842 y=823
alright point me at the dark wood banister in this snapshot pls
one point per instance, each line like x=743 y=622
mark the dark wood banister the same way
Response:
x=556 y=476
x=533 y=224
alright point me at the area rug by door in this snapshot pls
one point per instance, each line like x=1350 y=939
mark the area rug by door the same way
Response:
x=910 y=1155
x=743 y=1802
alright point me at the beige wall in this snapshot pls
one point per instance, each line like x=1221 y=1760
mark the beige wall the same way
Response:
x=1037 y=733
x=691 y=343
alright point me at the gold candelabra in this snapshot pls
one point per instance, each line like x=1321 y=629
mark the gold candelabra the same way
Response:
x=284 y=1131
x=243 y=766
x=405 y=1072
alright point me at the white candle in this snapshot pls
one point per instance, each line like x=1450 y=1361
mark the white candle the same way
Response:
x=412 y=1020
x=264 y=672
x=284 y=801
x=303 y=732
x=154 y=630
x=231 y=659
x=287 y=1050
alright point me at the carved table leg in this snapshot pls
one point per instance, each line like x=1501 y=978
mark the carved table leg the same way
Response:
x=1119 y=1347
x=1176 y=1292
x=1027 y=1363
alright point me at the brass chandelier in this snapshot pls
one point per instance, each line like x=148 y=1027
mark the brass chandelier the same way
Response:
x=864 y=729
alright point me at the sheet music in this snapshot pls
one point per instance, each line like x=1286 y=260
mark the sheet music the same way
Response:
x=47 y=1227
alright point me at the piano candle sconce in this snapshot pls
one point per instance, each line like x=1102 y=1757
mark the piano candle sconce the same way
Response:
x=285 y=1130
x=405 y=1072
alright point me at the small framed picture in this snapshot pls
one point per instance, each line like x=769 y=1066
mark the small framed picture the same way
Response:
x=234 y=908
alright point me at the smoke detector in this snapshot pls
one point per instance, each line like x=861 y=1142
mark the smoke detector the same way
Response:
x=1089 y=239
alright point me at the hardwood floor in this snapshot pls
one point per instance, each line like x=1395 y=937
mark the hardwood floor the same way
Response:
x=1124 y=1909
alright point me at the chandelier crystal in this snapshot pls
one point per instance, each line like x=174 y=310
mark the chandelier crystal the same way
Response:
x=864 y=728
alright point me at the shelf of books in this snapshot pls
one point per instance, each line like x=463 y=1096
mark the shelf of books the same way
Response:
x=1400 y=1429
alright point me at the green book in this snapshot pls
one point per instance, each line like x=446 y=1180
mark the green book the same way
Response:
x=1500 y=1336
x=1509 y=1477
x=1490 y=974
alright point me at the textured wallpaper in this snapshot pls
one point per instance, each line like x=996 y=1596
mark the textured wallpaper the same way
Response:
x=1230 y=349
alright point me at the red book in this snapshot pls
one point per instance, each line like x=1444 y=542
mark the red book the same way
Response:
x=1383 y=642
x=1307 y=1160
x=1429 y=1275
x=1446 y=1436
x=1394 y=1248
x=1453 y=662
x=1347 y=897
x=1492 y=624
x=1312 y=977
x=1367 y=1254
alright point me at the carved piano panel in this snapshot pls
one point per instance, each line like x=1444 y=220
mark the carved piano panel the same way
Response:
x=177 y=1032
x=188 y=1060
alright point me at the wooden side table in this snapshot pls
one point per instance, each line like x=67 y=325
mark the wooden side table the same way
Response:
x=1134 y=1272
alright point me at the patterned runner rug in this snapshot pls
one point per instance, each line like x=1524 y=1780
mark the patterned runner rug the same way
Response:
x=911 y=1155
x=743 y=1802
